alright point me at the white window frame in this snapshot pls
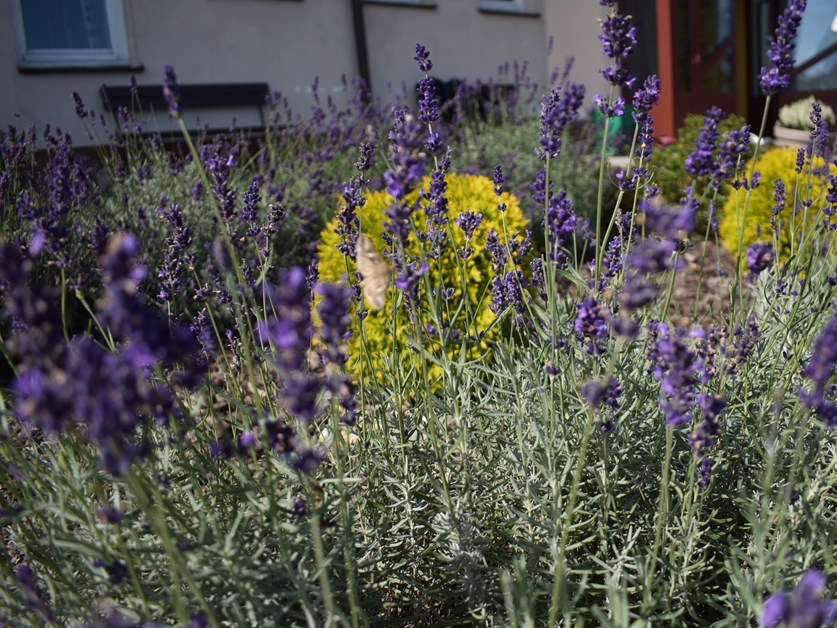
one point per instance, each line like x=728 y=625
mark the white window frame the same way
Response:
x=509 y=6
x=117 y=55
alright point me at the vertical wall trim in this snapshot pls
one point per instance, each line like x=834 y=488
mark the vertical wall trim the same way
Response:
x=664 y=112
x=360 y=44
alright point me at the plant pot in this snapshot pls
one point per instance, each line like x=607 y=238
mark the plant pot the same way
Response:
x=792 y=138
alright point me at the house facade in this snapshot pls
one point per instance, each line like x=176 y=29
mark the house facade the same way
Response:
x=50 y=48
x=710 y=52
x=230 y=53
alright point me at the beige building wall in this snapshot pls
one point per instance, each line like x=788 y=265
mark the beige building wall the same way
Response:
x=287 y=43
x=574 y=27
x=463 y=42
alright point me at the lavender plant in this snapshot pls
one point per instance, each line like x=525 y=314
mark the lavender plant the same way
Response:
x=195 y=453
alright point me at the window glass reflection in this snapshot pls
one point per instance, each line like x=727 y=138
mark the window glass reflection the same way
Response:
x=815 y=35
x=65 y=24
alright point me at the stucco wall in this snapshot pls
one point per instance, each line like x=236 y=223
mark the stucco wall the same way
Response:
x=463 y=42
x=287 y=43
x=574 y=28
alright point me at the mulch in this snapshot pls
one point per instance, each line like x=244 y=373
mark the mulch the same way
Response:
x=702 y=285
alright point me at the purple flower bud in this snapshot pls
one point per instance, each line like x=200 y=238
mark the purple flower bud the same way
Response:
x=80 y=111
x=803 y=607
x=498 y=180
x=335 y=318
x=423 y=58
x=468 y=221
x=618 y=36
x=109 y=514
x=759 y=256
x=699 y=162
x=171 y=91
x=591 y=325
x=602 y=394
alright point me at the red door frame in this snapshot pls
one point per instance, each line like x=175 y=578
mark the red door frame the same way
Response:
x=665 y=121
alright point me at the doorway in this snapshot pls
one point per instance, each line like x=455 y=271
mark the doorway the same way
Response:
x=708 y=66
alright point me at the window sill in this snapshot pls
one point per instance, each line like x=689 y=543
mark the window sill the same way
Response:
x=509 y=12
x=405 y=5
x=63 y=68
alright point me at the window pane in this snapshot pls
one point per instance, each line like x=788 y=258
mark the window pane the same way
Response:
x=60 y=24
x=716 y=29
x=815 y=35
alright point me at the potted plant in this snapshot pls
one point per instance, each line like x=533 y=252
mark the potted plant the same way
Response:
x=794 y=126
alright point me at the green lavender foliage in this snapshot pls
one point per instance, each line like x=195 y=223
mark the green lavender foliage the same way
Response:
x=485 y=554
x=483 y=145
x=493 y=501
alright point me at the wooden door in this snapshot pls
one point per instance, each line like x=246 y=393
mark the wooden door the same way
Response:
x=706 y=72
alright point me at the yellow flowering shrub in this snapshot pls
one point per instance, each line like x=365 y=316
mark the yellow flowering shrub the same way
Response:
x=464 y=193
x=778 y=163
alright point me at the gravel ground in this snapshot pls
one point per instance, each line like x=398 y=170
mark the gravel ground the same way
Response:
x=705 y=279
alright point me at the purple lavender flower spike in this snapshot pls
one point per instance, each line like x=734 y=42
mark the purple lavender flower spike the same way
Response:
x=705 y=434
x=670 y=224
x=499 y=256
x=609 y=109
x=428 y=104
x=699 y=162
x=560 y=221
x=335 y=318
x=779 y=199
x=647 y=96
x=644 y=100
x=171 y=91
x=705 y=472
x=651 y=256
x=498 y=180
x=759 y=256
x=423 y=58
x=636 y=293
x=507 y=292
x=367 y=153
x=591 y=325
x=819 y=135
x=550 y=139
x=781 y=48
x=625 y=327
x=804 y=607
x=79 y=105
x=348 y=224
x=819 y=370
x=109 y=514
x=307 y=460
x=618 y=36
x=556 y=113
x=732 y=147
x=675 y=365
x=291 y=330
x=619 y=40
x=602 y=394
x=736 y=353
x=408 y=163
x=468 y=221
